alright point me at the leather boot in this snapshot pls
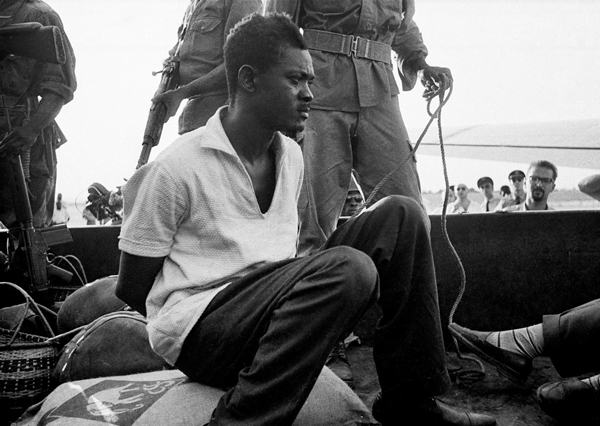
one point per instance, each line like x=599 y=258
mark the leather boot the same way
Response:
x=339 y=364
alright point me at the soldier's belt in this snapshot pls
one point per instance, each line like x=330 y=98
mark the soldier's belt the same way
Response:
x=348 y=45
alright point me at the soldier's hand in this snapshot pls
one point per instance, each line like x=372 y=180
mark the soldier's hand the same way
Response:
x=435 y=78
x=171 y=99
x=19 y=140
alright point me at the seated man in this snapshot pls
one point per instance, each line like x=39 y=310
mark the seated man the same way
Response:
x=354 y=200
x=209 y=253
x=571 y=340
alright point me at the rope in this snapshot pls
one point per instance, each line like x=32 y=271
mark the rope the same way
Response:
x=465 y=376
x=432 y=116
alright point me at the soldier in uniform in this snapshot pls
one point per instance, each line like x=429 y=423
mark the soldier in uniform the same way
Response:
x=32 y=94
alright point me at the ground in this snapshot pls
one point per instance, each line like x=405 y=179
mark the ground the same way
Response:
x=508 y=403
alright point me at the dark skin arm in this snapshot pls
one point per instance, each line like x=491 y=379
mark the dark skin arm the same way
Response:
x=136 y=277
x=212 y=81
x=433 y=78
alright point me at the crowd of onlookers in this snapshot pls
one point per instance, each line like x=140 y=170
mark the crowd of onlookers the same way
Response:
x=525 y=191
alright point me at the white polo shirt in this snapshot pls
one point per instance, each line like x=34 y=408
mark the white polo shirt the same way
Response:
x=195 y=204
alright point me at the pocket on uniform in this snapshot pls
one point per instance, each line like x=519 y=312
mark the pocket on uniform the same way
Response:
x=205 y=24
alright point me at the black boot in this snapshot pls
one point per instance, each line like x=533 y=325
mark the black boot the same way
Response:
x=338 y=363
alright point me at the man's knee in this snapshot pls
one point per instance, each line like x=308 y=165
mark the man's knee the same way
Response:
x=399 y=207
x=355 y=272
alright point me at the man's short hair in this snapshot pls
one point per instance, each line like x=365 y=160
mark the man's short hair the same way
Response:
x=482 y=181
x=545 y=165
x=258 y=41
x=516 y=173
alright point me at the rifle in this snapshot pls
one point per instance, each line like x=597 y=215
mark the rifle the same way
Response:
x=158 y=111
x=27 y=257
x=33 y=40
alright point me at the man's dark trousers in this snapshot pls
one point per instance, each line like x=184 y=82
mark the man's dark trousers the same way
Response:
x=572 y=339
x=266 y=337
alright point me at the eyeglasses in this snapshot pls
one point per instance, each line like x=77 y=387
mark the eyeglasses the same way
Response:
x=536 y=179
x=516 y=178
x=460 y=188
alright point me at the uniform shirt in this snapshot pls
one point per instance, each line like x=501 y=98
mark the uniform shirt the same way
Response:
x=209 y=24
x=17 y=72
x=195 y=204
x=365 y=82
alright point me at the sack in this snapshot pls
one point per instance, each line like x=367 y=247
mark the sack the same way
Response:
x=89 y=303
x=113 y=345
x=169 y=398
x=26 y=360
x=11 y=317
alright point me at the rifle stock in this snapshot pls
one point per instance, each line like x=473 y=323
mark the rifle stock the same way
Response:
x=32 y=40
x=158 y=111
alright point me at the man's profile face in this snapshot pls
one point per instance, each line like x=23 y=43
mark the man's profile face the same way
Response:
x=487 y=189
x=285 y=92
x=352 y=203
x=540 y=183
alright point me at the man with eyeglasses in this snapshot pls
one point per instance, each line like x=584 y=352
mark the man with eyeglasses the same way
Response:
x=516 y=179
x=539 y=183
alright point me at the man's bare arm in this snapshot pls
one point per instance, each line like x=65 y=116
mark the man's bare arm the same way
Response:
x=136 y=277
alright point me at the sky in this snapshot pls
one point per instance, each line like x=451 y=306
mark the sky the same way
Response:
x=514 y=61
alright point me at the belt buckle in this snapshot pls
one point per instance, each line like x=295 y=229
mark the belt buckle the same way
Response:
x=354 y=46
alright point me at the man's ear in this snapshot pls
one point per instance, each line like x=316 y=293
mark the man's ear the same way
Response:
x=246 y=78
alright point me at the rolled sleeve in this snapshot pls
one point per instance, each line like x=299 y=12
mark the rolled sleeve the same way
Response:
x=59 y=79
x=408 y=45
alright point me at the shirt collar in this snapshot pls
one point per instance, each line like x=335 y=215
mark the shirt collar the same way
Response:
x=216 y=138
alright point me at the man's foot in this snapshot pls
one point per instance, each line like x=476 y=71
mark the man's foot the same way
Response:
x=338 y=363
x=430 y=412
x=569 y=400
x=511 y=365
